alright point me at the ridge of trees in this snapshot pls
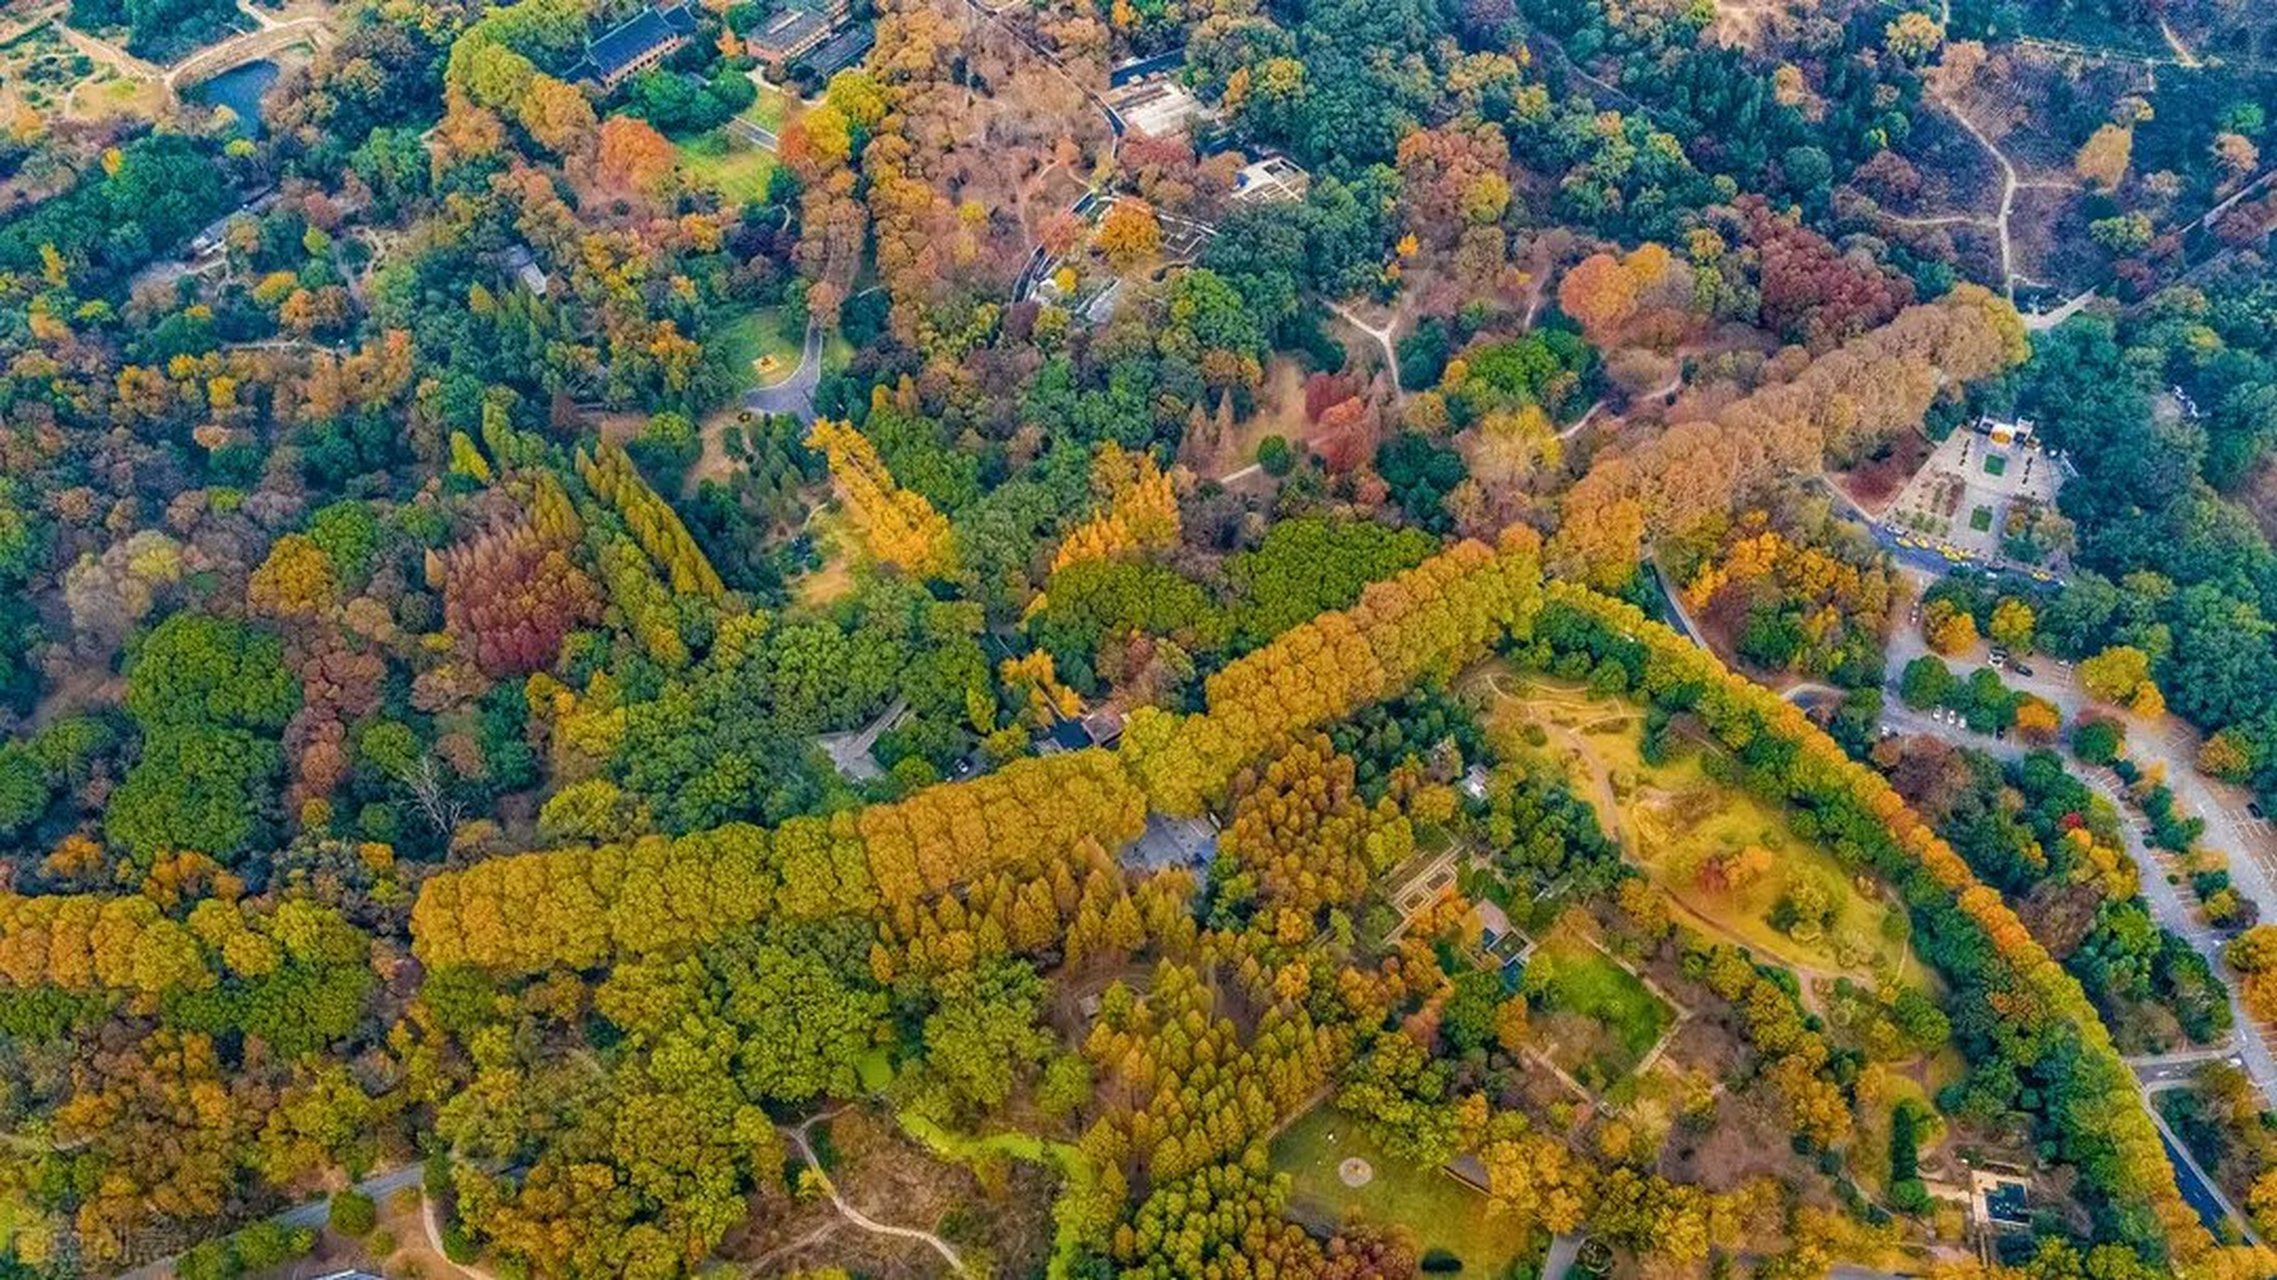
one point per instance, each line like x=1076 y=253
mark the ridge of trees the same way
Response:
x=1837 y=405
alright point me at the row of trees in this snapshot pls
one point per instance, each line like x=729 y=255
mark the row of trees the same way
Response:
x=1836 y=406
x=2088 y=1107
x=580 y=907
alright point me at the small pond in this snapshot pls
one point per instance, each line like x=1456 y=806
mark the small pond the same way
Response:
x=240 y=89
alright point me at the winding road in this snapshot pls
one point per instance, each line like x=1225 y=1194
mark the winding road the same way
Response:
x=2192 y=793
x=311 y=1214
x=794 y=395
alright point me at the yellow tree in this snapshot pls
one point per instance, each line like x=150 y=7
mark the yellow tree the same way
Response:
x=1600 y=545
x=1948 y=629
x=1139 y=509
x=2227 y=756
x=2117 y=675
x=1033 y=681
x=900 y=527
x=2012 y=623
x=2102 y=159
x=1913 y=36
x=1129 y=234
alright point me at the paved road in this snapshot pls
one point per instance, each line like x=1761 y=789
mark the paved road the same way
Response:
x=794 y=395
x=2167 y=907
x=1563 y=1251
x=311 y=1214
x=2231 y=828
x=2173 y=1070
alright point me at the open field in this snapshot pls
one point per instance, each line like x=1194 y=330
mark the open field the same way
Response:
x=1432 y=1205
x=42 y=72
x=833 y=542
x=771 y=110
x=756 y=347
x=1724 y=856
x=1600 y=1019
x=735 y=167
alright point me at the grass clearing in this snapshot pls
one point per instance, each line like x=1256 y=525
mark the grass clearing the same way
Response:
x=834 y=542
x=757 y=349
x=1601 y=1019
x=1724 y=855
x=837 y=352
x=736 y=168
x=771 y=110
x=1436 y=1208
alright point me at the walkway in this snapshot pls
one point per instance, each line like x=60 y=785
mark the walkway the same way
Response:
x=860 y=1219
x=2008 y=187
x=1382 y=336
x=311 y=1214
x=794 y=395
x=215 y=59
x=2042 y=321
x=753 y=132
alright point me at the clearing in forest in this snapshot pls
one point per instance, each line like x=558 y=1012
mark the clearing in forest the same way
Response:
x=1439 y=1209
x=1600 y=1020
x=729 y=162
x=1731 y=863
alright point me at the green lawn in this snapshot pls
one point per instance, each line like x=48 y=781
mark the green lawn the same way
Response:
x=1674 y=818
x=1994 y=464
x=1615 y=1020
x=753 y=335
x=770 y=109
x=736 y=169
x=1980 y=519
x=1438 y=1210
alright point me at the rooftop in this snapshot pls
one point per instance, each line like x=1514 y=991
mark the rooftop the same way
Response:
x=1271 y=178
x=1159 y=108
x=615 y=50
x=790 y=28
x=841 y=51
x=1173 y=842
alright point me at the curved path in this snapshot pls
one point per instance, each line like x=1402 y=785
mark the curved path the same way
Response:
x=861 y=1219
x=794 y=395
x=215 y=59
x=1382 y=336
x=2008 y=185
x=2167 y=908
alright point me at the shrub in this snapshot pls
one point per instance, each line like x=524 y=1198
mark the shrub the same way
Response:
x=458 y=1246
x=353 y=1214
x=1441 y=1261
x=1275 y=455
x=2096 y=741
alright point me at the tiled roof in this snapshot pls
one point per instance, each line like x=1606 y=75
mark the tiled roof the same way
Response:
x=840 y=51
x=791 y=27
x=620 y=48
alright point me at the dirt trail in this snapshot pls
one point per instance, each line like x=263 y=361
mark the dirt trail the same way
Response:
x=2008 y=185
x=861 y=1219
x=1382 y=336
